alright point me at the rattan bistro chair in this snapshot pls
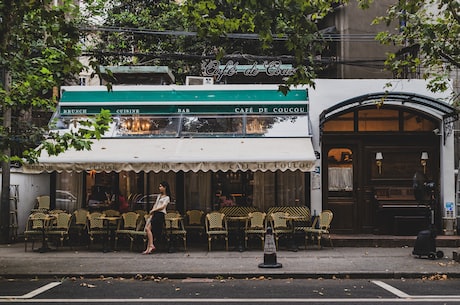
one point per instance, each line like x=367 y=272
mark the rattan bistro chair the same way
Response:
x=255 y=226
x=79 y=222
x=34 y=228
x=95 y=226
x=174 y=227
x=280 y=226
x=216 y=226
x=194 y=222
x=61 y=227
x=320 y=226
x=127 y=227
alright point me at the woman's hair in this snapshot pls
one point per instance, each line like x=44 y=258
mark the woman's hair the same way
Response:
x=167 y=189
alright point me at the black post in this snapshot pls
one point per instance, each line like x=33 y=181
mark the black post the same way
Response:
x=5 y=196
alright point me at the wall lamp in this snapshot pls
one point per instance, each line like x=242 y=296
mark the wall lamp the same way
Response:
x=423 y=160
x=378 y=161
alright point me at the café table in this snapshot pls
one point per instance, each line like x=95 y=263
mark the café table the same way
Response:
x=109 y=230
x=171 y=220
x=45 y=225
x=240 y=220
x=292 y=219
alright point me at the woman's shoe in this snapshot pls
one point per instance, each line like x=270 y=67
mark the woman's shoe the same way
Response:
x=149 y=250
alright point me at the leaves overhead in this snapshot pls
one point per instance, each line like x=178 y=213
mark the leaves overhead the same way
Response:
x=427 y=33
x=39 y=49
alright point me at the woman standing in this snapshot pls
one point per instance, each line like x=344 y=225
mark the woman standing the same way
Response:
x=154 y=227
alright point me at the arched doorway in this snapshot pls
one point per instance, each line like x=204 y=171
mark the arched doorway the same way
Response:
x=373 y=150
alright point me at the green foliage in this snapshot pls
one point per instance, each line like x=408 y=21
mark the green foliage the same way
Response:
x=287 y=29
x=294 y=21
x=136 y=44
x=428 y=34
x=39 y=49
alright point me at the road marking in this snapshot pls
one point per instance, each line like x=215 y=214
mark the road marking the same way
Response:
x=391 y=289
x=33 y=293
x=245 y=301
x=403 y=295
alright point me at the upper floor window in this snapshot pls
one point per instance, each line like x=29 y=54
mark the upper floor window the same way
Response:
x=380 y=120
x=206 y=125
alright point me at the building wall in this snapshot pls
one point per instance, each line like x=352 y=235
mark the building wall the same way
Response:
x=30 y=187
x=358 y=53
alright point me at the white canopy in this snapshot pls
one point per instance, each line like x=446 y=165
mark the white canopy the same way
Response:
x=183 y=154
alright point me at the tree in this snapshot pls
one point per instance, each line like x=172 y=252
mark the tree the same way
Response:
x=139 y=32
x=285 y=27
x=136 y=32
x=39 y=49
x=428 y=35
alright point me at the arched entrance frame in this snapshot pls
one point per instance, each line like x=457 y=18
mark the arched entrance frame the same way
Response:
x=439 y=111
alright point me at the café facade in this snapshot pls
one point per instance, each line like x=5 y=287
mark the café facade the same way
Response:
x=351 y=146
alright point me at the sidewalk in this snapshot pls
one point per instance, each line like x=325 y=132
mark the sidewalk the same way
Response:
x=340 y=262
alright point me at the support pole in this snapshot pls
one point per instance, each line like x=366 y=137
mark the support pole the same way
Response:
x=5 y=196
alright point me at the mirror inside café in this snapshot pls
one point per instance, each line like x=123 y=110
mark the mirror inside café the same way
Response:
x=232 y=189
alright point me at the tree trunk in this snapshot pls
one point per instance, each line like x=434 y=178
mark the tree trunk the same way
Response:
x=5 y=196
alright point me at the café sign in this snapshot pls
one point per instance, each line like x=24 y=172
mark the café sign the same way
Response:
x=215 y=69
x=297 y=108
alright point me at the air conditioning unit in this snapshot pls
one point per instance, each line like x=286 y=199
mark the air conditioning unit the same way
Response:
x=198 y=80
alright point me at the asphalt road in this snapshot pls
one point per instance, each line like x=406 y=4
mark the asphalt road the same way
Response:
x=261 y=290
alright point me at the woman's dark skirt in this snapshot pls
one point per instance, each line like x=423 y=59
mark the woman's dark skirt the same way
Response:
x=157 y=222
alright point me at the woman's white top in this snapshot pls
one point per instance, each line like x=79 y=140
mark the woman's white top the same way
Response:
x=161 y=204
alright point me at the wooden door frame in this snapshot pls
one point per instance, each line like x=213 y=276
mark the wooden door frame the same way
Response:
x=355 y=146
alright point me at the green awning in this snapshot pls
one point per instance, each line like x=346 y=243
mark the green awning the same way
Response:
x=132 y=100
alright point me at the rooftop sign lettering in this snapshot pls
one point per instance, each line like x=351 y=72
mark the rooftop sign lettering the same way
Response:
x=230 y=68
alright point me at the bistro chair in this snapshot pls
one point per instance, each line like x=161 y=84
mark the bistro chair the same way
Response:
x=140 y=229
x=194 y=221
x=255 y=226
x=34 y=228
x=126 y=227
x=216 y=226
x=56 y=211
x=112 y=213
x=280 y=226
x=43 y=203
x=95 y=226
x=61 y=227
x=141 y=213
x=320 y=226
x=174 y=227
x=79 y=222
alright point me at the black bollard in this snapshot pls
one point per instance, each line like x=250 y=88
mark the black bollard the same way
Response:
x=270 y=251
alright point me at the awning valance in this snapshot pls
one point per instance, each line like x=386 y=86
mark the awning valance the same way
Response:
x=184 y=154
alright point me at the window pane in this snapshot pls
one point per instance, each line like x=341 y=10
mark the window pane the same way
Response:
x=212 y=125
x=340 y=169
x=378 y=120
x=343 y=122
x=414 y=122
x=278 y=126
x=160 y=126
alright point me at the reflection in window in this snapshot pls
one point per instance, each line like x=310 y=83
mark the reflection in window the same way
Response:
x=340 y=169
x=208 y=125
x=212 y=125
x=148 y=126
x=278 y=126
x=69 y=194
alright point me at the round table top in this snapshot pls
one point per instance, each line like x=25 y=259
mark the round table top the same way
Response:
x=237 y=217
x=109 y=217
x=174 y=218
x=293 y=217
